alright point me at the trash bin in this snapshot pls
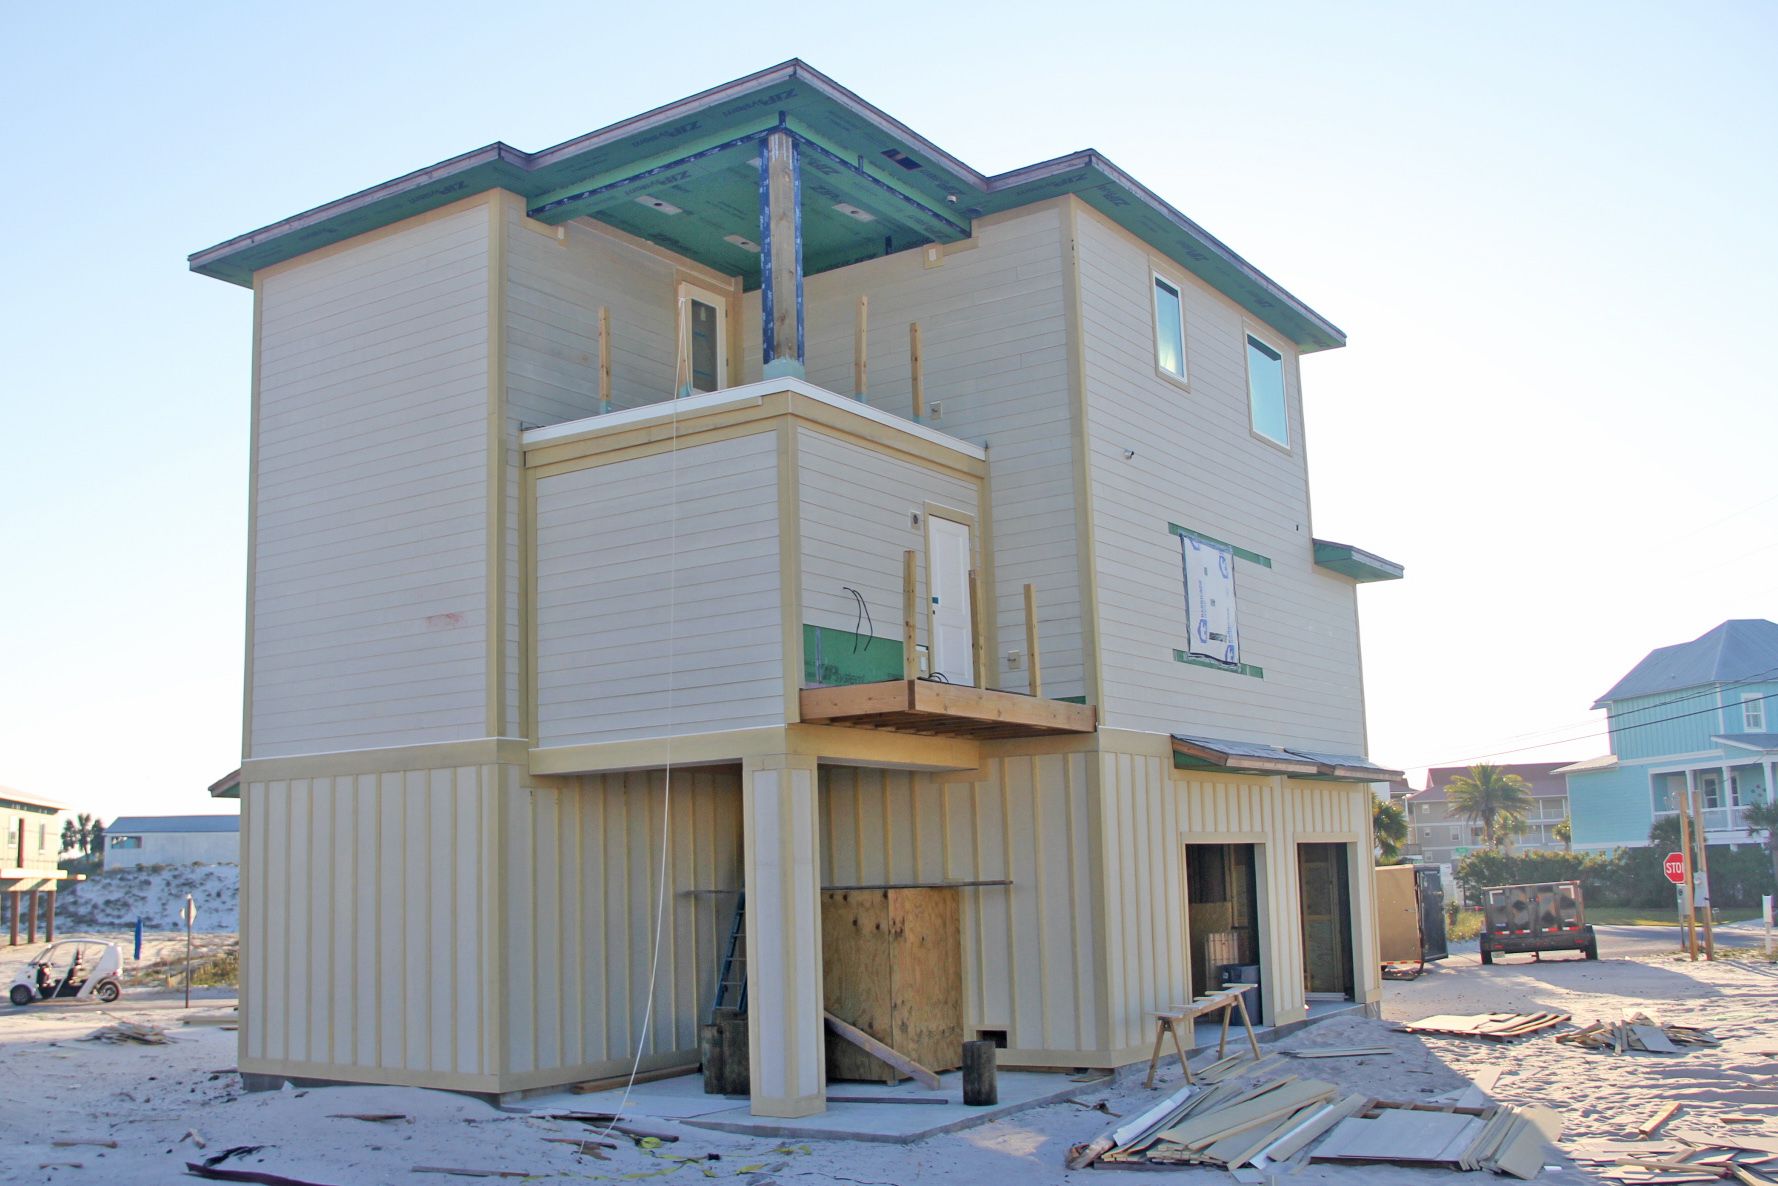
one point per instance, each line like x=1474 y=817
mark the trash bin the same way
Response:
x=1244 y=974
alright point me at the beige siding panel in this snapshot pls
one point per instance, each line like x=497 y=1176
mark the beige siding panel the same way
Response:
x=618 y=575
x=363 y=928
x=584 y=859
x=993 y=334
x=1151 y=811
x=1197 y=464
x=1026 y=947
x=857 y=506
x=369 y=597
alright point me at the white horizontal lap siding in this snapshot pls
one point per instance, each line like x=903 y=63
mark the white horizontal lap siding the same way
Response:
x=1027 y=965
x=369 y=584
x=364 y=903
x=857 y=511
x=653 y=621
x=1198 y=464
x=993 y=338
x=585 y=856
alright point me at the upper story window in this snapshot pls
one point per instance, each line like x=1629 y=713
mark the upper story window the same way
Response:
x=1753 y=713
x=1265 y=392
x=1169 y=329
x=703 y=339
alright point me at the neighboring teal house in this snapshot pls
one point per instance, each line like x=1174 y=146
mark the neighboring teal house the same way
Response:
x=1704 y=711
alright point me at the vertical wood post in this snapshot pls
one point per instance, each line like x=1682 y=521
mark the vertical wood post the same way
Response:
x=1685 y=858
x=1701 y=836
x=981 y=1084
x=916 y=368
x=12 y=899
x=1035 y=670
x=31 y=919
x=861 y=350
x=781 y=258
x=910 y=660
x=604 y=358
x=976 y=632
x=49 y=917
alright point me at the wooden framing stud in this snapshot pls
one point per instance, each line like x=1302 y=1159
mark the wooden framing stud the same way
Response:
x=860 y=350
x=977 y=632
x=910 y=659
x=1034 y=670
x=604 y=358
x=916 y=368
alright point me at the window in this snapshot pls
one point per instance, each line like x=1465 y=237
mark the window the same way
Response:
x=42 y=837
x=703 y=339
x=1456 y=835
x=1169 y=330
x=1210 y=601
x=1753 y=713
x=1265 y=392
x=126 y=841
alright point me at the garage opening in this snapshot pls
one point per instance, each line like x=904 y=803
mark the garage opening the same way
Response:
x=1324 y=875
x=1222 y=918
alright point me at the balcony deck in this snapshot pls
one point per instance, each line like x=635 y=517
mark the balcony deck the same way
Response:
x=931 y=709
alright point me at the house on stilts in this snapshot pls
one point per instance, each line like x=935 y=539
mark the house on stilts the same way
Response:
x=751 y=501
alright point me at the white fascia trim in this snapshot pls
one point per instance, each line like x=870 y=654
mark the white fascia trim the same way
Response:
x=747 y=395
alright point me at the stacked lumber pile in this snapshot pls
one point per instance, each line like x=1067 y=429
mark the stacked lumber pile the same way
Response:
x=1504 y=1139
x=1693 y=1157
x=1501 y=1027
x=1639 y=1034
x=1276 y=1120
x=129 y=1031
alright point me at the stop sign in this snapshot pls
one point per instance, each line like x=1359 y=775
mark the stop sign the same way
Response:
x=1674 y=868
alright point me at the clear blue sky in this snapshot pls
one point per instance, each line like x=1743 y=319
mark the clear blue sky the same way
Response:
x=1548 y=230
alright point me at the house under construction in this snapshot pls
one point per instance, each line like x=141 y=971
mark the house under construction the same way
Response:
x=750 y=501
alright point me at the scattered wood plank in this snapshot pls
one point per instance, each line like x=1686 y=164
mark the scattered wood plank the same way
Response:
x=1337 y=1052
x=1502 y=1027
x=74 y=1142
x=199 y=1170
x=469 y=1173
x=373 y=1117
x=1652 y=1125
x=888 y=1054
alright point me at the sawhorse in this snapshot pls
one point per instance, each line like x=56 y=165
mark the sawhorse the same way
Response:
x=1170 y=1022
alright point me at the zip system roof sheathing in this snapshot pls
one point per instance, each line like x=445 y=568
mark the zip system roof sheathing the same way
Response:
x=872 y=187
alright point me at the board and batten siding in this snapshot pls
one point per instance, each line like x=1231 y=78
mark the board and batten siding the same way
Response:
x=994 y=339
x=857 y=506
x=369 y=574
x=658 y=595
x=367 y=927
x=582 y=859
x=1196 y=463
x=1027 y=947
x=1150 y=813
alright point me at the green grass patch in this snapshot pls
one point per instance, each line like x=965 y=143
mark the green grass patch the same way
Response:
x=1465 y=925
x=1643 y=916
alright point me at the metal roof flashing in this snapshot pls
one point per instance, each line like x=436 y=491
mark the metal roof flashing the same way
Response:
x=942 y=194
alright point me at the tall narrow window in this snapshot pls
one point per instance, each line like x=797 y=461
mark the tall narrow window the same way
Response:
x=703 y=340
x=1169 y=330
x=1753 y=713
x=1265 y=392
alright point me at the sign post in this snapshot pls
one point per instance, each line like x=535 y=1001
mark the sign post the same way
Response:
x=1685 y=856
x=189 y=914
x=1673 y=866
x=1766 y=909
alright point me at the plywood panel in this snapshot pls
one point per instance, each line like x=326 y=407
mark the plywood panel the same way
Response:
x=892 y=967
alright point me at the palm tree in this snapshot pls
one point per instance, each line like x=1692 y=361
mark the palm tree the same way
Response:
x=70 y=836
x=84 y=831
x=1763 y=817
x=1494 y=798
x=1390 y=826
x=1564 y=832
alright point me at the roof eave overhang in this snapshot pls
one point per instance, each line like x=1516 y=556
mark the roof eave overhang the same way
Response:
x=1189 y=753
x=1356 y=563
x=499 y=165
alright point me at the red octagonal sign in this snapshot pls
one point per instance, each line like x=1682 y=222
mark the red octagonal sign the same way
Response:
x=1674 y=868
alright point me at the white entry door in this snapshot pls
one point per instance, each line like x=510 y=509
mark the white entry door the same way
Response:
x=948 y=576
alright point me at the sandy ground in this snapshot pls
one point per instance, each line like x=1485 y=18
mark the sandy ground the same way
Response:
x=116 y=898
x=148 y=1098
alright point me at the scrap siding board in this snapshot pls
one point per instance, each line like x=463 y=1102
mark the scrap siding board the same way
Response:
x=605 y=563
x=1197 y=464
x=995 y=356
x=854 y=510
x=369 y=595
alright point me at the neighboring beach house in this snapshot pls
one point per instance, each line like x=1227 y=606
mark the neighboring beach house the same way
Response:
x=975 y=556
x=1439 y=834
x=134 y=840
x=1702 y=714
x=31 y=831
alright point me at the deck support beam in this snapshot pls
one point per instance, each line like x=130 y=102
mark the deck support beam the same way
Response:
x=781 y=258
x=781 y=835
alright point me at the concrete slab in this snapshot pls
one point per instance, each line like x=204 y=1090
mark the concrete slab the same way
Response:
x=906 y=1112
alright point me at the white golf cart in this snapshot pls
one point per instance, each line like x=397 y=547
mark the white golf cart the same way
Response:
x=72 y=970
